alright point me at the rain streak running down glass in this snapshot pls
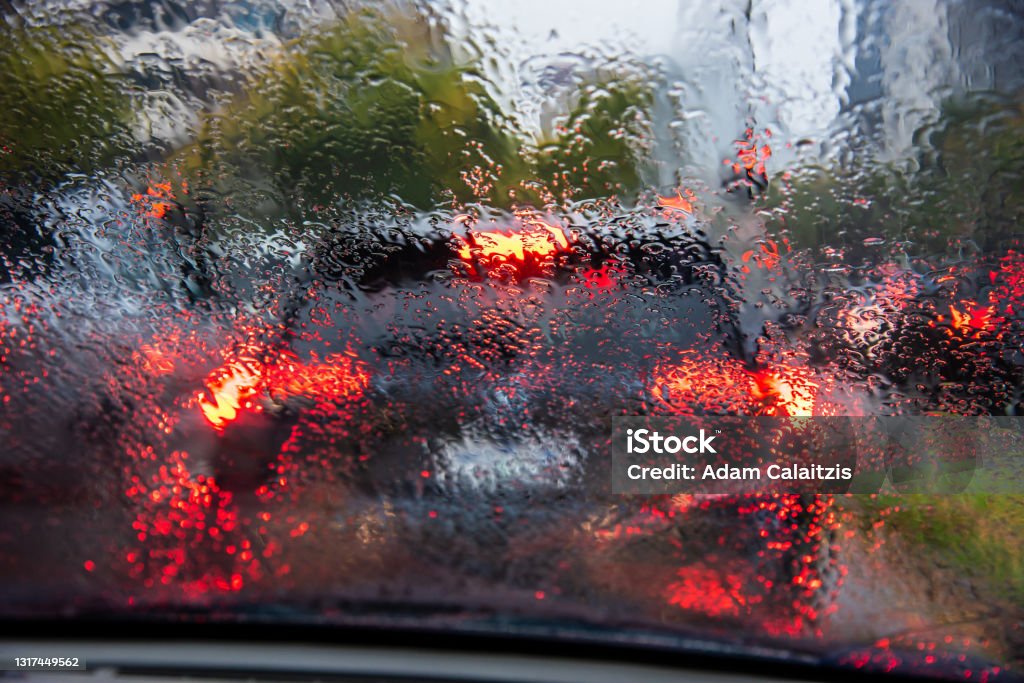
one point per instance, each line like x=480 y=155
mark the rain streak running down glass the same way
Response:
x=325 y=308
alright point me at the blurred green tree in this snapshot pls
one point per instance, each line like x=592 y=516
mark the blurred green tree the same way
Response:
x=600 y=147
x=965 y=183
x=374 y=105
x=64 y=105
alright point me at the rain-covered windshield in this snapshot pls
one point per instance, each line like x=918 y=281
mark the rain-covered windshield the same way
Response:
x=328 y=306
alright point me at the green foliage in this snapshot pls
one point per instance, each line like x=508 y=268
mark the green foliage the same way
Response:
x=377 y=104
x=826 y=206
x=979 y=534
x=372 y=106
x=63 y=105
x=596 y=151
x=966 y=183
x=974 y=175
x=384 y=104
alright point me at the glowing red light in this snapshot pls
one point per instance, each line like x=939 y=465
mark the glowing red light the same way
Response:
x=785 y=391
x=973 y=318
x=725 y=386
x=153 y=207
x=767 y=255
x=601 y=278
x=679 y=202
x=701 y=589
x=751 y=154
x=227 y=391
x=239 y=384
x=536 y=241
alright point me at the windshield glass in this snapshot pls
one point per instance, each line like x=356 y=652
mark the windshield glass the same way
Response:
x=323 y=311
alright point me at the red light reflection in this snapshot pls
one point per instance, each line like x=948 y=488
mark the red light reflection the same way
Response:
x=725 y=386
x=156 y=201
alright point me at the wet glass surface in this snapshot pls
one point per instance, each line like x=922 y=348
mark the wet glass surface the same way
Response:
x=323 y=311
